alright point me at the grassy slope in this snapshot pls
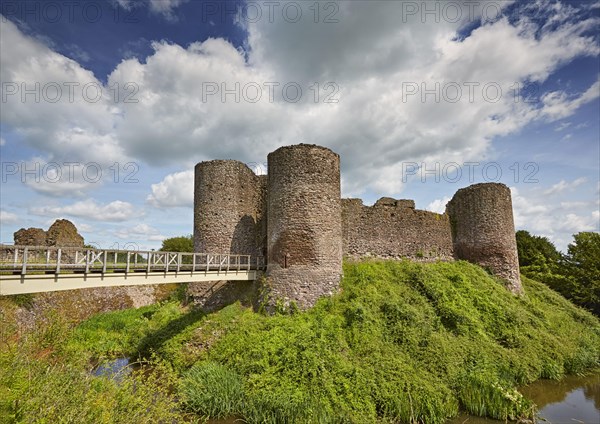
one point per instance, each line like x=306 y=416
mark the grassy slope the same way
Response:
x=402 y=342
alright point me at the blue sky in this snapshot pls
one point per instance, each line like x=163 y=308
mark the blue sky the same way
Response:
x=409 y=93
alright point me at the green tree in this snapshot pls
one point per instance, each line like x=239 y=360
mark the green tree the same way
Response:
x=582 y=265
x=539 y=260
x=536 y=251
x=178 y=244
x=575 y=275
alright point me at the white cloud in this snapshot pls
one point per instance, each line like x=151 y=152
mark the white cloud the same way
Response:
x=112 y=212
x=81 y=226
x=559 y=105
x=562 y=126
x=174 y=190
x=557 y=219
x=374 y=126
x=57 y=178
x=2 y=141
x=140 y=232
x=69 y=127
x=54 y=179
x=575 y=223
x=562 y=186
x=371 y=127
x=165 y=7
x=438 y=205
x=573 y=205
x=8 y=217
x=162 y=7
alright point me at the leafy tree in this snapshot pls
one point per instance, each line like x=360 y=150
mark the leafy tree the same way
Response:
x=178 y=244
x=582 y=263
x=575 y=275
x=536 y=251
x=539 y=259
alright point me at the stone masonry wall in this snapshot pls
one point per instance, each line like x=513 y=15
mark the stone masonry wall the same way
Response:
x=304 y=231
x=295 y=218
x=63 y=233
x=394 y=229
x=483 y=230
x=30 y=237
x=228 y=208
x=229 y=217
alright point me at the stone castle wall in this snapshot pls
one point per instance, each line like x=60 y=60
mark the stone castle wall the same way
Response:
x=229 y=202
x=62 y=233
x=394 y=229
x=296 y=219
x=483 y=230
x=304 y=229
x=30 y=237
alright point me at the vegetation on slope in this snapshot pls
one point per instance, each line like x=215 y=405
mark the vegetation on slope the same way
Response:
x=43 y=381
x=403 y=342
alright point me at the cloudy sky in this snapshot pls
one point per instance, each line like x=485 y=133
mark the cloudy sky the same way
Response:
x=107 y=105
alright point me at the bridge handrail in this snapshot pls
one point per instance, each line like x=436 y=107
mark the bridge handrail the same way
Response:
x=21 y=259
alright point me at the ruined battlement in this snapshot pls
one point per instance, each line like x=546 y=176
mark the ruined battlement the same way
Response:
x=394 y=229
x=295 y=217
x=62 y=233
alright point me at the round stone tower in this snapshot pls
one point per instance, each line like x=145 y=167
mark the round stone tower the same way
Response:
x=304 y=224
x=228 y=200
x=483 y=230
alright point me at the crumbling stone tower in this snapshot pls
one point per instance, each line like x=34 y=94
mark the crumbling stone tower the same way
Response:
x=229 y=206
x=62 y=233
x=483 y=230
x=304 y=223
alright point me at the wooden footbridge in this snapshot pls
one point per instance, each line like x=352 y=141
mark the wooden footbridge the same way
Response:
x=33 y=269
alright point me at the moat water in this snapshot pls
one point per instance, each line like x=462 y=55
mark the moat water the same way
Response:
x=573 y=400
x=116 y=369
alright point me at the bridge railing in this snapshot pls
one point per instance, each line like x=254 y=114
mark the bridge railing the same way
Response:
x=36 y=259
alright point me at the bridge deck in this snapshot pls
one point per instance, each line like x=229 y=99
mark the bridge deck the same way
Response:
x=31 y=269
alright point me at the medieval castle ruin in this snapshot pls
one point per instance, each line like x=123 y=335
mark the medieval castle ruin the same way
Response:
x=296 y=218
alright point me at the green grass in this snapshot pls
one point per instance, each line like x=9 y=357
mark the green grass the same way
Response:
x=43 y=380
x=406 y=342
x=403 y=342
x=212 y=390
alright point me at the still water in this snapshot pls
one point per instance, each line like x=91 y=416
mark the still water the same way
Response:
x=116 y=369
x=573 y=400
